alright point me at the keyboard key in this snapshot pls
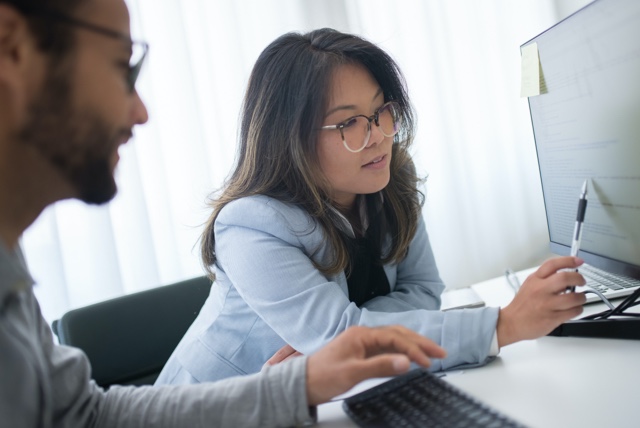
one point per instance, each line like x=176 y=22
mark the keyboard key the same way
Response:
x=608 y=283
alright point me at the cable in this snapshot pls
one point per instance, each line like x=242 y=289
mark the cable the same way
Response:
x=629 y=302
x=601 y=296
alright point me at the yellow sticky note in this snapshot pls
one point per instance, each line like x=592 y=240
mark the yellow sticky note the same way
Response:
x=530 y=84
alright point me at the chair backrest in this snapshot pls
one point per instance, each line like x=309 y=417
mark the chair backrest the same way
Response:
x=129 y=339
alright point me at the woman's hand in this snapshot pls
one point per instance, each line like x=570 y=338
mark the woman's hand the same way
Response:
x=283 y=354
x=542 y=303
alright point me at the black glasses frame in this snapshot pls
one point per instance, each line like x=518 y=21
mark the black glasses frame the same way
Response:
x=134 y=70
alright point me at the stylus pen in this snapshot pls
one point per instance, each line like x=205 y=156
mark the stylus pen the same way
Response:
x=577 y=230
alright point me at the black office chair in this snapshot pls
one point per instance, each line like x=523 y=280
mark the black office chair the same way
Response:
x=129 y=339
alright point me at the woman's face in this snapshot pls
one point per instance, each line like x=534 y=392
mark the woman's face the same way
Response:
x=354 y=91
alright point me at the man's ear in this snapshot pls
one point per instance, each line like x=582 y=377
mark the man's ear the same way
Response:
x=16 y=44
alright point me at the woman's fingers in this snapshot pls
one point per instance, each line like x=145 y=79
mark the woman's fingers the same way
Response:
x=555 y=264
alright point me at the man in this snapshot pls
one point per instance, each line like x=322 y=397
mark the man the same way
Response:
x=67 y=102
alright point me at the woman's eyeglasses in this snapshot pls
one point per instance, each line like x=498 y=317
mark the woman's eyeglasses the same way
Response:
x=356 y=130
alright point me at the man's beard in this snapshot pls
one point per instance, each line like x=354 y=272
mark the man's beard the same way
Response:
x=78 y=143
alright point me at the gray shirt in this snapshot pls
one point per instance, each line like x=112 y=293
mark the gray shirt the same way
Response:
x=43 y=384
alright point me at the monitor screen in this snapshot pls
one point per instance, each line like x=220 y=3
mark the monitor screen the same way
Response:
x=586 y=125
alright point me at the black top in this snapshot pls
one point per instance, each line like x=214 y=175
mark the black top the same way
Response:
x=365 y=275
x=366 y=278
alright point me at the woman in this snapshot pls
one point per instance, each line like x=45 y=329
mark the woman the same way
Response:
x=320 y=228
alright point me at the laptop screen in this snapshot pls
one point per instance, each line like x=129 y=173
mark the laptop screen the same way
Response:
x=586 y=125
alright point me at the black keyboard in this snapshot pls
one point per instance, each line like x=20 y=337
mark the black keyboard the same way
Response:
x=421 y=399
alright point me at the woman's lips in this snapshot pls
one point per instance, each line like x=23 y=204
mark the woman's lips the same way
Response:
x=377 y=163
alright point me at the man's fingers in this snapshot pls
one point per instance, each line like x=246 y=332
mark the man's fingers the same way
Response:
x=553 y=265
x=401 y=339
x=384 y=365
x=423 y=351
x=361 y=353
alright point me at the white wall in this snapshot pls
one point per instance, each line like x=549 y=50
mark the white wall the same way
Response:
x=565 y=8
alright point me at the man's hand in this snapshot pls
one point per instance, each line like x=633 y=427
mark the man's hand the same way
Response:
x=361 y=353
x=542 y=303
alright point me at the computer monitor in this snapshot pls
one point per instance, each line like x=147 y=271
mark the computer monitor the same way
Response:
x=586 y=124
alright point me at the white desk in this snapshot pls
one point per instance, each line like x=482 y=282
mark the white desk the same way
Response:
x=548 y=382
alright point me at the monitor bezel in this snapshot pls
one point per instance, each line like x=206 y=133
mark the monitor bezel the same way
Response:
x=601 y=262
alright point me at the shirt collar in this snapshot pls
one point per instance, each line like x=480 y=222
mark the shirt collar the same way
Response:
x=361 y=200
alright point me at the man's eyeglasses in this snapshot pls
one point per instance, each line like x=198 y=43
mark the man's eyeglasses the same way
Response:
x=138 y=49
x=356 y=130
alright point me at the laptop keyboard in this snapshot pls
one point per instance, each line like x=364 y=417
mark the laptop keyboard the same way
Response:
x=612 y=286
x=421 y=399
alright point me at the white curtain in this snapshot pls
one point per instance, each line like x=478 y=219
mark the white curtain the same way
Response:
x=484 y=209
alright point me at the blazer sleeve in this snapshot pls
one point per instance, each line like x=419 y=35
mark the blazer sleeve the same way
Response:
x=265 y=249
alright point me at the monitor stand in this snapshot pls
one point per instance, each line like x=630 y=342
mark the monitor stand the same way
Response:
x=618 y=328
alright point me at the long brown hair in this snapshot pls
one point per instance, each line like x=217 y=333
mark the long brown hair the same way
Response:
x=283 y=107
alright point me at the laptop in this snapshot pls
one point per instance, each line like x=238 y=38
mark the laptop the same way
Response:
x=586 y=126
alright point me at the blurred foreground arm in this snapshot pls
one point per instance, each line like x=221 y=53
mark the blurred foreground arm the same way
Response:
x=59 y=391
x=280 y=395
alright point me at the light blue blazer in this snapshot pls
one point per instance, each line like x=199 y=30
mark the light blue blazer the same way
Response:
x=268 y=293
